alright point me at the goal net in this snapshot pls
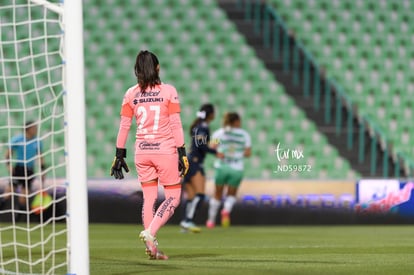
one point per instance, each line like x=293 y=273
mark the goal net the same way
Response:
x=35 y=218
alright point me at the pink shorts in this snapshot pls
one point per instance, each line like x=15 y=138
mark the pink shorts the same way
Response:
x=161 y=167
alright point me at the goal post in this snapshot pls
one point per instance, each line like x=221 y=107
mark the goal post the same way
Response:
x=43 y=231
x=76 y=137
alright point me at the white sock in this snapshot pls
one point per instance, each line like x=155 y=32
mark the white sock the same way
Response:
x=192 y=208
x=213 y=208
x=229 y=203
x=187 y=208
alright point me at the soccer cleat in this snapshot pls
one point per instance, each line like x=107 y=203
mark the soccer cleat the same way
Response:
x=210 y=224
x=189 y=226
x=150 y=243
x=159 y=256
x=225 y=218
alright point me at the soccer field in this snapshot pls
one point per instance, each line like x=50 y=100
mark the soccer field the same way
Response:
x=116 y=249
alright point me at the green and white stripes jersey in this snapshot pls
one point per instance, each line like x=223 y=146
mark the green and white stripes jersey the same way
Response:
x=231 y=142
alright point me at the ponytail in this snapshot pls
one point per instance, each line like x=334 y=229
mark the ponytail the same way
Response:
x=194 y=124
x=147 y=70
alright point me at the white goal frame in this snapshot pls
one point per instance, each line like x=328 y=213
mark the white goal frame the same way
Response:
x=75 y=140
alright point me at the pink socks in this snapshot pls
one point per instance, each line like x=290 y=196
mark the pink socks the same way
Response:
x=154 y=220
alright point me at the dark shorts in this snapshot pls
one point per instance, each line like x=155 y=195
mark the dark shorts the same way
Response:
x=23 y=176
x=192 y=170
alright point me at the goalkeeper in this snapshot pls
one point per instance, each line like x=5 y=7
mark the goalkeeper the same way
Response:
x=160 y=156
x=24 y=150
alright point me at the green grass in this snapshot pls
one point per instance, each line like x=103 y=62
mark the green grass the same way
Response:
x=40 y=249
x=115 y=249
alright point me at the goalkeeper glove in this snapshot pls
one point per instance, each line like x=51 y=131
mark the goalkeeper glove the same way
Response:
x=182 y=161
x=119 y=163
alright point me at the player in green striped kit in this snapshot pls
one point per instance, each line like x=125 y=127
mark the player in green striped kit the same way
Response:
x=235 y=144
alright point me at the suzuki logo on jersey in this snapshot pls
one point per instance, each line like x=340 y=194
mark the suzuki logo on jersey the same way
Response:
x=143 y=100
x=145 y=145
x=151 y=99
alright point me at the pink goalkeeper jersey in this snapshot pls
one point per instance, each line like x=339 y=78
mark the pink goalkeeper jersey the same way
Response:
x=152 y=111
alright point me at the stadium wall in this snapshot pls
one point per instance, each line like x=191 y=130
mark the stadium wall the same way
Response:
x=266 y=202
x=259 y=202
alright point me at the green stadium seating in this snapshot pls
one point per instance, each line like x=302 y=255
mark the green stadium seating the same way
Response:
x=198 y=56
x=365 y=46
x=203 y=55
